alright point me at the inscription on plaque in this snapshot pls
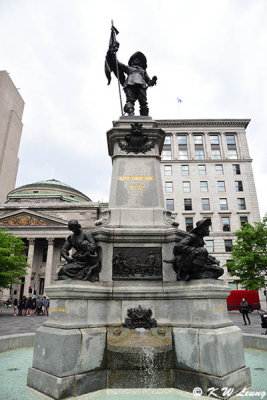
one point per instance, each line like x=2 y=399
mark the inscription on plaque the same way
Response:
x=137 y=182
x=137 y=263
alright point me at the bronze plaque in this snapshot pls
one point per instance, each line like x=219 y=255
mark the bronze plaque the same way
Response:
x=137 y=263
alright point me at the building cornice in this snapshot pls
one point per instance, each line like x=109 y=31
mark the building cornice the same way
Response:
x=238 y=123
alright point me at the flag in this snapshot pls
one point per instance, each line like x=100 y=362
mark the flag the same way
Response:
x=110 y=61
x=179 y=100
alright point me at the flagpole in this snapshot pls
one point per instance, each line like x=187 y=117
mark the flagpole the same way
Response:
x=117 y=69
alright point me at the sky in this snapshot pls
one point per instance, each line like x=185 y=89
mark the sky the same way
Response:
x=212 y=54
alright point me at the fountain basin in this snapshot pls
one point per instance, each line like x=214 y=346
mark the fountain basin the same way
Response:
x=139 y=360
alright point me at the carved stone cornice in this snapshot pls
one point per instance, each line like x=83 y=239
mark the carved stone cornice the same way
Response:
x=238 y=123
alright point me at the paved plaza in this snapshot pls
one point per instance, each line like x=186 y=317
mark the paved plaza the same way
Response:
x=10 y=325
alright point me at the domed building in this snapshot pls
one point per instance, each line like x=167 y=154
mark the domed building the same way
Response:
x=39 y=213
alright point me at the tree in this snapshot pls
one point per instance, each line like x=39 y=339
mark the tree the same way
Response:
x=13 y=263
x=249 y=256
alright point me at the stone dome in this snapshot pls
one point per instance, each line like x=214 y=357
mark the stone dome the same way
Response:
x=51 y=190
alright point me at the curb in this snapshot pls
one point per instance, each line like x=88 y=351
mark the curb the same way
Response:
x=11 y=342
x=255 y=341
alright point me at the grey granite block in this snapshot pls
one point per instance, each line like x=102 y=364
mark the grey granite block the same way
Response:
x=93 y=349
x=58 y=388
x=221 y=350
x=57 y=351
x=186 y=349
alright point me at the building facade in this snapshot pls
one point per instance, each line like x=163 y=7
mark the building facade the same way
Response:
x=207 y=172
x=11 y=110
x=39 y=213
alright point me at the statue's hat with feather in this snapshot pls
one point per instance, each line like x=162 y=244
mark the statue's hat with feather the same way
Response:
x=141 y=57
x=203 y=223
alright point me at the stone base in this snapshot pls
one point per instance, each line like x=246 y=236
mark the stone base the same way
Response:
x=61 y=388
x=77 y=352
x=234 y=382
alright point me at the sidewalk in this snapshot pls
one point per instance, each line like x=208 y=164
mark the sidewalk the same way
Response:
x=10 y=325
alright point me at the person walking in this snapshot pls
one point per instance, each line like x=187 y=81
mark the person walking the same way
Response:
x=15 y=305
x=244 y=310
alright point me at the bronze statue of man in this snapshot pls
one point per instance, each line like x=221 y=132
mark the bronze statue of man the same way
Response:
x=191 y=259
x=137 y=81
x=83 y=264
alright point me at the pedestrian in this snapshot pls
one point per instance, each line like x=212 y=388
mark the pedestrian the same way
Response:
x=33 y=304
x=15 y=305
x=29 y=306
x=244 y=310
x=39 y=304
x=45 y=305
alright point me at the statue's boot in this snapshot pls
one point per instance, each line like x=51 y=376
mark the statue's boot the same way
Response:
x=144 y=111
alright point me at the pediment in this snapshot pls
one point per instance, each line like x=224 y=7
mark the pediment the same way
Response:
x=30 y=218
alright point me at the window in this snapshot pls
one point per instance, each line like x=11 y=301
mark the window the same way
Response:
x=236 y=169
x=209 y=245
x=202 y=169
x=228 y=245
x=188 y=224
x=219 y=169
x=167 y=170
x=185 y=169
x=226 y=224
x=188 y=204
x=170 y=204
x=199 y=154
x=238 y=186
x=223 y=204
x=186 y=186
x=168 y=187
x=205 y=204
x=182 y=139
x=221 y=186
x=241 y=204
x=183 y=154
x=215 y=154
x=35 y=191
x=243 y=220
x=166 y=155
x=203 y=186
x=198 y=139
x=41 y=286
x=44 y=255
x=167 y=140
x=214 y=139
x=230 y=139
x=232 y=154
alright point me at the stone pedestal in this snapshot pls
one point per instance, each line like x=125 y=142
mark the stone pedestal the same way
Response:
x=70 y=349
x=72 y=355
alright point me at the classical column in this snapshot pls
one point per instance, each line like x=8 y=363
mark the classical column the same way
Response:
x=49 y=261
x=27 y=282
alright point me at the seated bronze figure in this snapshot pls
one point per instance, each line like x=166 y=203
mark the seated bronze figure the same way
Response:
x=84 y=263
x=191 y=259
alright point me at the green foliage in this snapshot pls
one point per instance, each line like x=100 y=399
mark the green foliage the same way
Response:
x=249 y=255
x=13 y=263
